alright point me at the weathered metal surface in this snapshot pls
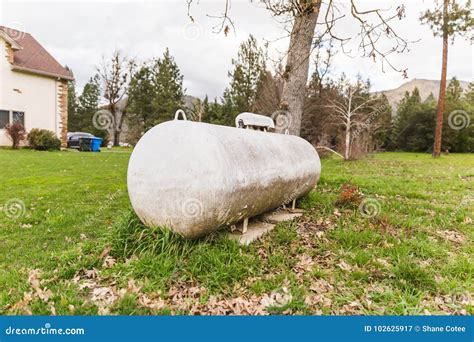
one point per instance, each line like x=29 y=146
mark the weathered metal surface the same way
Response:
x=196 y=178
x=254 y=120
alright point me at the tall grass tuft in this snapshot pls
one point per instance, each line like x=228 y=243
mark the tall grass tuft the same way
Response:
x=132 y=237
x=214 y=261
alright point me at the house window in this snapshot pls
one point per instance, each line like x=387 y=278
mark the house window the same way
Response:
x=18 y=117
x=4 y=118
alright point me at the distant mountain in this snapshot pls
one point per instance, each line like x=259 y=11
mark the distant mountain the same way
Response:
x=426 y=87
x=189 y=101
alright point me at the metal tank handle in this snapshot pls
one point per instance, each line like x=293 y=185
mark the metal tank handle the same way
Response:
x=183 y=114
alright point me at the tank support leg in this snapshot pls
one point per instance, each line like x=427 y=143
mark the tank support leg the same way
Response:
x=293 y=204
x=245 y=226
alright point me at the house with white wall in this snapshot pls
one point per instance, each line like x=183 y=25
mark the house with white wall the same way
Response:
x=33 y=86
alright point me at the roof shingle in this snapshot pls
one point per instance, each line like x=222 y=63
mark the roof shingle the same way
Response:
x=32 y=57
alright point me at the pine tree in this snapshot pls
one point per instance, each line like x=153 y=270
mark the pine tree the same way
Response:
x=86 y=105
x=454 y=91
x=155 y=94
x=215 y=113
x=406 y=107
x=169 y=92
x=465 y=141
x=457 y=108
x=469 y=96
x=447 y=20
x=245 y=79
x=140 y=98
x=88 y=101
x=381 y=124
x=414 y=123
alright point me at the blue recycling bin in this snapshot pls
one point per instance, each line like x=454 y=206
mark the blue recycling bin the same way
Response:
x=95 y=144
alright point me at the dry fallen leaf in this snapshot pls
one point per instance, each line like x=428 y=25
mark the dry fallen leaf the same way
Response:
x=91 y=274
x=44 y=295
x=451 y=235
x=34 y=278
x=318 y=300
x=105 y=252
x=155 y=304
x=277 y=299
x=109 y=262
x=383 y=262
x=103 y=311
x=22 y=305
x=305 y=264
x=320 y=285
x=344 y=266
x=53 y=309
x=103 y=296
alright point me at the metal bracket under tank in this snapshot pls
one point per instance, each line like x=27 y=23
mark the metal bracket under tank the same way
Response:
x=250 y=230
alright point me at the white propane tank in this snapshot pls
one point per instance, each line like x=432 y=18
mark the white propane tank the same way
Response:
x=196 y=178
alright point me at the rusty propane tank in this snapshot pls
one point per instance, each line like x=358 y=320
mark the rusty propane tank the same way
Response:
x=195 y=178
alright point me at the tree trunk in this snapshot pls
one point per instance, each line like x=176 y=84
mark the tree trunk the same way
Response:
x=115 y=125
x=347 y=150
x=442 y=87
x=116 y=137
x=297 y=66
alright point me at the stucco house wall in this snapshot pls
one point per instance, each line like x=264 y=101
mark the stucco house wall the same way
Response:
x=42 y=97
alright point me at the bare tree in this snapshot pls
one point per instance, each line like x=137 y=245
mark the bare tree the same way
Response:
x=115 y=75
x=374 y=23
x=197 y=110
x=350 y=112
x=322 y=62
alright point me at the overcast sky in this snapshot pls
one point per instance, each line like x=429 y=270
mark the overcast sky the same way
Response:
x=79 y=33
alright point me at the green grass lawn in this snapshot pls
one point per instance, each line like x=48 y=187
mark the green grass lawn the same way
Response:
x=77 y=247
